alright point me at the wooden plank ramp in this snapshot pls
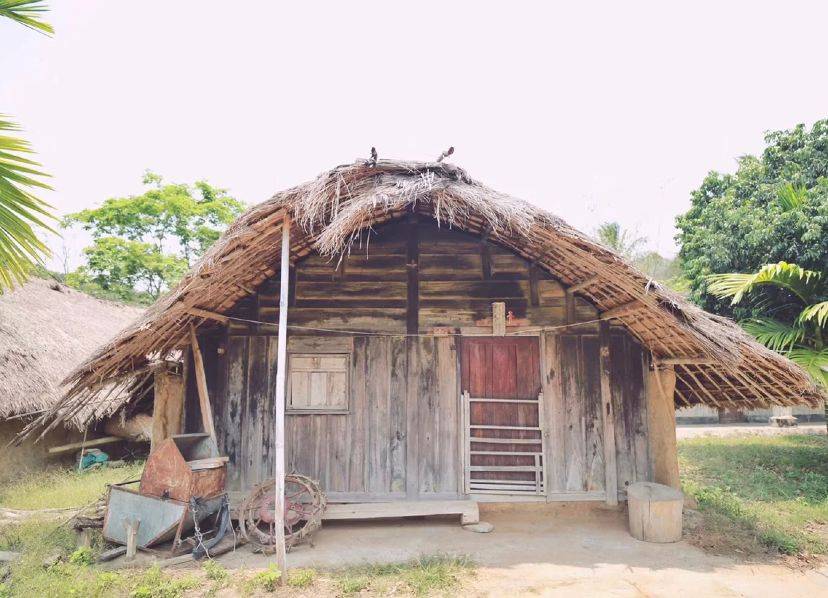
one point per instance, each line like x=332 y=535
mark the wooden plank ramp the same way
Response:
x=467 y=509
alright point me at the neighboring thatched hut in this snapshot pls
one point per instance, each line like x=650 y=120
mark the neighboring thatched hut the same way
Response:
x=46 y=330
x=442 y=340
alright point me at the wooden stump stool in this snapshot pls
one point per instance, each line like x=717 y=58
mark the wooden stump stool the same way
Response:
x=655 y=512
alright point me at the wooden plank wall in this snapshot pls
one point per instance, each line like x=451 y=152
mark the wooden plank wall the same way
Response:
x=401 y=435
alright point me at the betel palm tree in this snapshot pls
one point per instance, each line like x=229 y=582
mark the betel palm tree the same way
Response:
x=623 y=241
x=796 y=323
x=20 y=210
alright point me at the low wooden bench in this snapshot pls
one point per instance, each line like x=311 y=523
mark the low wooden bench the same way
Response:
x=467 y=509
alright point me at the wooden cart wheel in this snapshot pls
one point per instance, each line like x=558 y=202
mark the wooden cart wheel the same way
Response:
x=304 y=505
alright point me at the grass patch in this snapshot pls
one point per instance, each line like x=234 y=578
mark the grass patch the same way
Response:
x=438 y=574
x=760 y=493
x=64 y=488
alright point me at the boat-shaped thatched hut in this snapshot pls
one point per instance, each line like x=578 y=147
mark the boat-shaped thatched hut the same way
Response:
x=46 y=330
x=440 y=340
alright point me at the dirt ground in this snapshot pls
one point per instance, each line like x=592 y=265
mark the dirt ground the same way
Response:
x=723 y=430
x=551 y=550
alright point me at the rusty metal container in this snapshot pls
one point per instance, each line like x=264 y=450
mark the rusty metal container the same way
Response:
x=183 y=467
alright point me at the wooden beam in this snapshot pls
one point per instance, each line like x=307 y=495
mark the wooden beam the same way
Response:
x=279 y=411
x=621 y=310
x=210 y=315
x=67 y=448
x=499 y=318
x=467 y=509
x=569 y=307
x=608 y=416
x=686 y=361
x=201 y=384
x=580 y=286
x=412 y=260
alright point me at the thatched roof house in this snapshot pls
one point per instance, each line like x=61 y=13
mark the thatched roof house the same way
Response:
x=46 y=330
x=406 y=335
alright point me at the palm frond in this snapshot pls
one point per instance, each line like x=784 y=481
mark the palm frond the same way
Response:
x=805 y=284
x=773 y=334
x=791 y=196
x=20 y=211
x=813 y=361
x=818 y=312
x=28 y=13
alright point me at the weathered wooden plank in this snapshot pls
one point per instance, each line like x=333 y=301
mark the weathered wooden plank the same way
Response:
x=428 y=406
x=554 y=410
x=358 y=466
x=448 y=440
x=467 y=509
x=379 y=443
x=397 y=414
x=593 y=427
x=255 y=416
x=412 y=409
x=607 y=415
x=201 y=384
x=235 y=406
x=413 y=284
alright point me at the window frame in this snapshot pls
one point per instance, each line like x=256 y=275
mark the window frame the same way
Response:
x=325 y=410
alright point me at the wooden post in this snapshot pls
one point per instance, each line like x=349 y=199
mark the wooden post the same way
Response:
x=279 y=419
x=168 y=406
x=201 y=384
x=499 y=318
x=412 y=263
x=660 y=384
x=132 y=526
x=608 y=417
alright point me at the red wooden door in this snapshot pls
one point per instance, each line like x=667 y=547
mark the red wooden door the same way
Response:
x=500 y=382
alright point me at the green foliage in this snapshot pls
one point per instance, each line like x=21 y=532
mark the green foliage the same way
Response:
x=800 y=299
x=82 y=556
x=426 y=575
x=20 y=211
x=28 y=13
x=767 y=489
x=301 y=578
x=63 y=488
x=267 y=580
x=143 y=244
x=773 y=209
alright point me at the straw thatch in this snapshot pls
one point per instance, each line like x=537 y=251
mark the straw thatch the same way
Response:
x=45 y=332
x=329 y=213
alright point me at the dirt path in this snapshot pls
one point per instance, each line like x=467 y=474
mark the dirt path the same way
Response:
x=562 y=550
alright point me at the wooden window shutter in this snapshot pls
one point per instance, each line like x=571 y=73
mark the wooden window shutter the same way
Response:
x=318 y=382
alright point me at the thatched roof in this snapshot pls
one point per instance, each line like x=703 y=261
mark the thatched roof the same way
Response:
x=46 y=330
x=328 y=213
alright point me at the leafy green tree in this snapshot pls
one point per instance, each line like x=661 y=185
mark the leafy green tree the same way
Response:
x=20 y=210
x=143 y=244
x=773 y=209
x=795 y=320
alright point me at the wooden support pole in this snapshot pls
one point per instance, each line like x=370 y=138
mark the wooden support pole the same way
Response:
x=412 y=260
x=608 y=416
x=132 y=526
x=279 y=415
x=201 y=384
x=660 y=384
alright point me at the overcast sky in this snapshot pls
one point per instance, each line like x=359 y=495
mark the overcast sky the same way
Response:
x=595 y=111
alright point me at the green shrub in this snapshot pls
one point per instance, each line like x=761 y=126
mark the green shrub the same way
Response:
x=267 y=580
x=82 y=556
x=301 y=578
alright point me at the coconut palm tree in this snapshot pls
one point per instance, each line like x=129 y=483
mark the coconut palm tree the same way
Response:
x=623 y=241
x=796 y=308
x=20 y=210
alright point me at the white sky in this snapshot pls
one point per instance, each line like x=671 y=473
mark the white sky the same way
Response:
x=595 y=111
